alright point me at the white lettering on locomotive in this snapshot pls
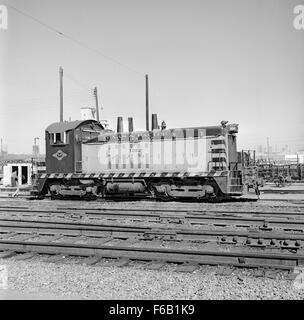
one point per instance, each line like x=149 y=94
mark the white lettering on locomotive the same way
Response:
x=166 y=154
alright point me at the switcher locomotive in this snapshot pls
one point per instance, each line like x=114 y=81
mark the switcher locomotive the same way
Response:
x=85 y=160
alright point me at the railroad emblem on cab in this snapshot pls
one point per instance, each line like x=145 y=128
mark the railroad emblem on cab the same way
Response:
x=59 y=155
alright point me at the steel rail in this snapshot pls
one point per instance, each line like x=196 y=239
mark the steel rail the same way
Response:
x=151 y=232
x=148 y=211
x=238 y=257
x=187 y=211
x=219 y=219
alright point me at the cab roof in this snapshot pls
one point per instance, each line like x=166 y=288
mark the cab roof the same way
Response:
x=70 y=125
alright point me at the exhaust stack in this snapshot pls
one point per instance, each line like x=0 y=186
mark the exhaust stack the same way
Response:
x=131 y=127
x=154 y=122
x=119 y=124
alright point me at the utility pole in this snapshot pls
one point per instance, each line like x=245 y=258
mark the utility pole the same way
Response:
x=147 y=102
x=61 y=93
x=298 y=167
x=268 y=149
x=96 y=102
x=36 y=148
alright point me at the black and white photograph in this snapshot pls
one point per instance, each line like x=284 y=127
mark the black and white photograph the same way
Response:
x=152 y=150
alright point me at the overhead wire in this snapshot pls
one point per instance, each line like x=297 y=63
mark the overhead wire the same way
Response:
x=89 y=90
x=77 y=82
x=80 y=43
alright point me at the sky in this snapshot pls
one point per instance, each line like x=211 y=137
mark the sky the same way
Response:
x=207 y=60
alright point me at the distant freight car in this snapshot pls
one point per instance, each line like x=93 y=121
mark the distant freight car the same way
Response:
x=84 y=160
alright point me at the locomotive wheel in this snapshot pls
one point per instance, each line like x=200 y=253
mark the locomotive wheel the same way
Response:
x=160 y=196
x=164 y=198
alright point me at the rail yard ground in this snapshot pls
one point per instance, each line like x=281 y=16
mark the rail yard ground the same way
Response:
x=233 y=250
x=37 y=278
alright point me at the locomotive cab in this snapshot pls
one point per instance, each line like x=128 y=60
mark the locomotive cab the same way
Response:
x=64 y=144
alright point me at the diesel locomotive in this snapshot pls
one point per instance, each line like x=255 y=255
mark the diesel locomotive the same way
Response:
x=86 y=160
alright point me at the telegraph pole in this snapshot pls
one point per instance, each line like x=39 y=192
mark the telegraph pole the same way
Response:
x=96 y=102
x=147 y=102
x=36 y=148
x=61 y=93
x=298 y=167
x=268 y=149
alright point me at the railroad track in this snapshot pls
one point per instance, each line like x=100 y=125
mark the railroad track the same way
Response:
x=278 y=191
x=145 y=210
x=216 y=239
x=81 y=205
x=237 y=257
x=264 y=221
x=27 y=228
x=248 y=201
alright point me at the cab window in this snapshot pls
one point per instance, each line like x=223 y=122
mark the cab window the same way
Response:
x=59 y=138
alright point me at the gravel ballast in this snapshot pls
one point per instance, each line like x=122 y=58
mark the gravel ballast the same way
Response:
x=73 y=279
